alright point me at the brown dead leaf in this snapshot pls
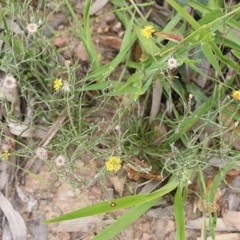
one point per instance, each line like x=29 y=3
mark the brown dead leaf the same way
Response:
x=85 y=224
x=137 y=52
x=118 y=184
x=233 y=201
x=156 y=98
x=228 y=236
x=141 y=170
x=205 y=206
x=4 y=174
x=221 y=226
x=15 y=221
x=160 y=133
x=112 y=42
x=229 y=117
x=11 y=25
x=231 y=218
x=97 y=5
x=175 y=37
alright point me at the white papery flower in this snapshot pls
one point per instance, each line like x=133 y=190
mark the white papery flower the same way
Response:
x=32 y=28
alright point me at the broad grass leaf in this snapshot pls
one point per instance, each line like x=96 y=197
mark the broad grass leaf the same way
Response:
x=179 y=214
x=125 y=220
x=119 y=203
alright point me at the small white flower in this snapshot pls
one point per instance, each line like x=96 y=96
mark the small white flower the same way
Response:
x=60 y=161
x=190 y=95
x=172 y=63
x=9 y=82
x=67 y=63
x=41 y=153
x=66 y=87
x=32 y=28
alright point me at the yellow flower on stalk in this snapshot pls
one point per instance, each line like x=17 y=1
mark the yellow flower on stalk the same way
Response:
x=57 y=84
x=113 y=164
x=147 y=31
x=236 y=95
x=5 y=155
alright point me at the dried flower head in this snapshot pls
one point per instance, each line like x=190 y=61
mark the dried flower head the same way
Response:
x=32 y=28
x=236 y=95
x=9 y=82
x=172 y=63
x=67 y=63
x=42 y=153
x=147 y=31
x=57 y=84
x=60 y=161
x=113 y=164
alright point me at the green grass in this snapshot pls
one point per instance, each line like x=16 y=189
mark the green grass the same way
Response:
x=170 y=142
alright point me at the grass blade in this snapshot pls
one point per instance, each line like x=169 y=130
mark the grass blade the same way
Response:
x=125 y=220
x=119 y=203
x=179 y=214
x=211 y=58
x=85 y=33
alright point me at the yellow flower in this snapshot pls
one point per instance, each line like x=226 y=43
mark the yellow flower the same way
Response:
x=5 y=155
x=57 y=83
x=147 y=31
x=113 y=164
x=236 y=95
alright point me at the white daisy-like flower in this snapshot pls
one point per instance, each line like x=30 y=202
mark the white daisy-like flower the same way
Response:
x=32 y=28
x=42 y=153
x=67 y=63
x=60 y=161
x=66 y=86
x=9 y=82
x=172 y=63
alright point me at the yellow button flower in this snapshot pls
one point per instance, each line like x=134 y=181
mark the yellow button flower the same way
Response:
x=113 y=164
x=58 y=83
x=236 y=95
x=147 y=31
x=5 y=155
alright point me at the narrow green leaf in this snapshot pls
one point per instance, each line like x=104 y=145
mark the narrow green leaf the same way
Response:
x=84 y=33
x=184 y=14
x=188 y=122
x=179 y=214
x=125 y=220
x=219 y=178
x=211 y=16
x=224 y=59
x=236 y=53
x=102 y=73
x=211 y=57
x=199 y=6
